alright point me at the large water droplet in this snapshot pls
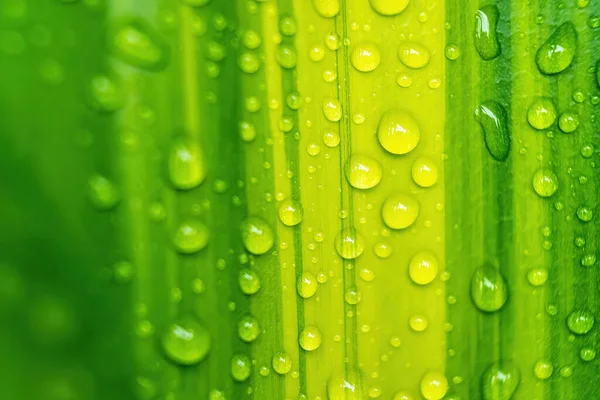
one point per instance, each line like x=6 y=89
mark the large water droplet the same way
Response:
x=413 y=55
x=500 y=380
x=489 y=290
x=327 y=8
x=362 y=171
x=241 y=367
x=349 y=244
x=434 y=385
x=138 y=44
x=398 y=132
x=485 y=38
x=389 y=7
x=557 y=52
x=257 y=236
x=191 y=236
x=103 y=194
x=545 y=182
x=541 y=113
x=580 y=322
x=186 y=165
x=186 y=341
x=399 y=211
x=365 y=57
x=493 y=119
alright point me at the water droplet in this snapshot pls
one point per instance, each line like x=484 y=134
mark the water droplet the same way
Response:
x=257 y=236
x=545 y=182
x=251 y=40
x=307 y=285
x=294 y=101
x=543 y=369
x=399 y=211
x=389 y=7
x=332 y=109
x=191 y=236
x=493 y=119
x=417 y=323
x=282 y=363
x=332 y=41
x=138 y=44
x=365 y=57
x=366 y=274
x=249 y=62
x=186 y=165
x=424 y=172
x=216 y=394
x=434 y=385
x=241 y=367
x=537 y=276
x=316 y=53
x=186 y=341
x=327 y=8
x=404 y=80
x=587 y=354
x=287 y=26
x=568 y=122
x=557 y=52
x=585 y=214
x=413 y=55
x=352 y=296
x=485 y=37
x=489 y=290
x=362 y=171
x=249 y=281
x=403 y=395
x=248 y=328
x=587 y=151
x=310 y=338
x=331 y=139
x=398 y=132
x=382 y=250
x=103 y=194
x=105 y=94
x=541 y=113
x=290 y=212
x=500 y=380
x=123 y=272
x=588 y=260
x=423 y=267
x=452 y=52
x=580 y=322
x=345 y=386
x=286 y=56
x=349 y=244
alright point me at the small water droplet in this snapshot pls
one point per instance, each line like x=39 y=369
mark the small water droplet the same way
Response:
x=241 y=367
x=434 y=385
x=568 y=122
x=417 y=323
x=310 y=338
x=389 y=7
x=452 y=52
x=349 y=244
x=352 y=296
x=190 y=237
x=138 y=44
x=587 y=354
x=332 y=109
x=290 y=212
x=186 y=165
x=543 y=369
x=249 y=281
x=580 y=322
x=282 y=363
x=327 y=8
x=493 y=119
x=306 y=285
x=103 y=194
x=248 y=328
x=105 y=94
x=424 y=172
x=362 y=171
x=537 y=276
